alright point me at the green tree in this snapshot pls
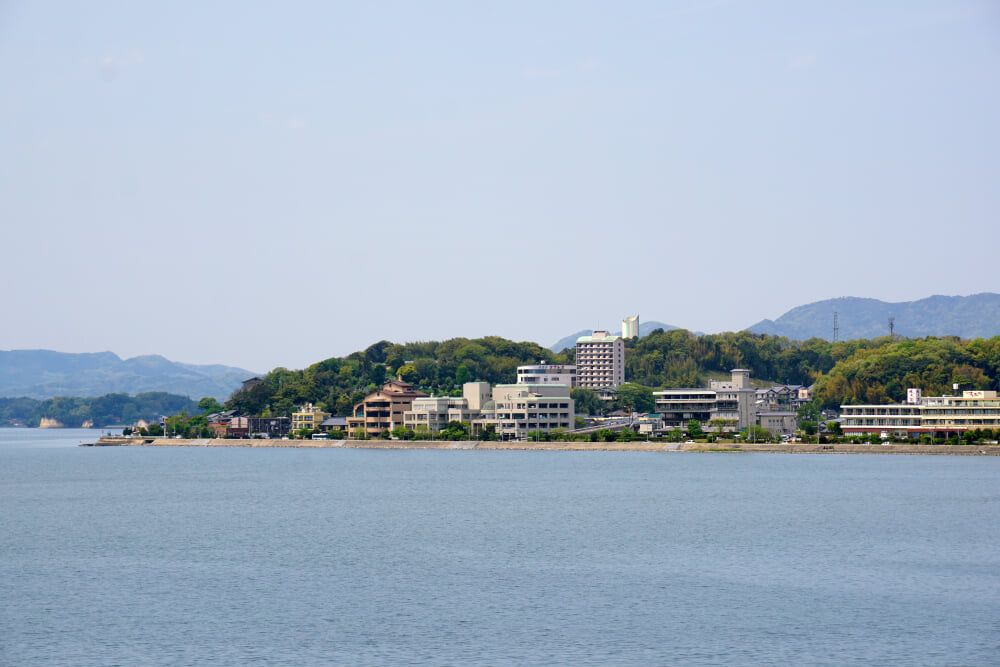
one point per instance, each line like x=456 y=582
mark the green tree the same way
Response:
x=462 y=375
x=607 y=435
x=403 y=433
x=635 y=396
x=209 y=405
x=628 y=435
x=488 y=433
x=694 y=429
x=455 y=430
x=757 y=434
x=253 y=400
x=808 y=412
x=586 y=401
x=408 y=373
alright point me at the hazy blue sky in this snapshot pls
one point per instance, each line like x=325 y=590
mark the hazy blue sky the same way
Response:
x=265 y=184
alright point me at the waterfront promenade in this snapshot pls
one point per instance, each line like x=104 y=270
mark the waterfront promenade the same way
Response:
x=791 y=448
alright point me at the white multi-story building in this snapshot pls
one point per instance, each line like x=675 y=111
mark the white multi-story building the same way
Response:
x=600 y=360
x=544 y=373
x=924 y=415
x=519 y=409
x=433 y=413
x=630 y=327
x=725 y=405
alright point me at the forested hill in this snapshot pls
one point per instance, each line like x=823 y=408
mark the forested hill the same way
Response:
x=847 y=372
x=882 y=373
x=976 y=316
x=99 y=411
x=435 y=367
x=42 y=374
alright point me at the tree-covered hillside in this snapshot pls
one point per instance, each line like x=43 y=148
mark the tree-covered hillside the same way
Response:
x=435 y=367
x=934 y=365
x=102 y=410
x=853 y=371
x=972 y=316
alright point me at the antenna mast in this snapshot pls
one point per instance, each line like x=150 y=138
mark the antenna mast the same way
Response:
x=836 y=327
x=892 y=327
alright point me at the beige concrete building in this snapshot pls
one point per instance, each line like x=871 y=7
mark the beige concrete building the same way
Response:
x=600 y=360
x=778 y=422
x=519 y=409
x=434 y=413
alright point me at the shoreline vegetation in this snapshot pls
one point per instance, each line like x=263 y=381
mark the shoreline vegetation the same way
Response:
x=869 y=372
x=634 y=446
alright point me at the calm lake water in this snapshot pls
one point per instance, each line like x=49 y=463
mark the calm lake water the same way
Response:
x=201 y=556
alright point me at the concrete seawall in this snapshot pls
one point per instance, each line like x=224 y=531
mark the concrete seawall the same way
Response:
x=797 y=448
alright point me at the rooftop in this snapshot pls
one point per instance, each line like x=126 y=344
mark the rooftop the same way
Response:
x=598 y=339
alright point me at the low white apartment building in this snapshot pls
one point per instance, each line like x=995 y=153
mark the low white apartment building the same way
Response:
x=519 y=409
x=544 y=373
x=435 y=412
x=937 y=416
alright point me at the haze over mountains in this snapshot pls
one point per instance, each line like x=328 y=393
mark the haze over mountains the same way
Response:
x=42 y=374
x=975 y=316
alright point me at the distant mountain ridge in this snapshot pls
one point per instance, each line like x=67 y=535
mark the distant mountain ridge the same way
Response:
x=644 y=330
x=974 y=316
x=43 y=374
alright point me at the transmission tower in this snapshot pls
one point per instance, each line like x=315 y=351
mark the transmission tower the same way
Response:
x=892 y=327
x=836 y=327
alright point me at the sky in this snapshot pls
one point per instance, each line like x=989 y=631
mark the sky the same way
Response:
x=273 y=184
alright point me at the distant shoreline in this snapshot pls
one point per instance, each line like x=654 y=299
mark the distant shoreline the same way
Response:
x=786 y=448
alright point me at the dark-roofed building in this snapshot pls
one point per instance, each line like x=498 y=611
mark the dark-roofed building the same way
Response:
x=783 y=397
x=334 y=424
x=272 y=427
x=382 y=409
x=251 y=383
